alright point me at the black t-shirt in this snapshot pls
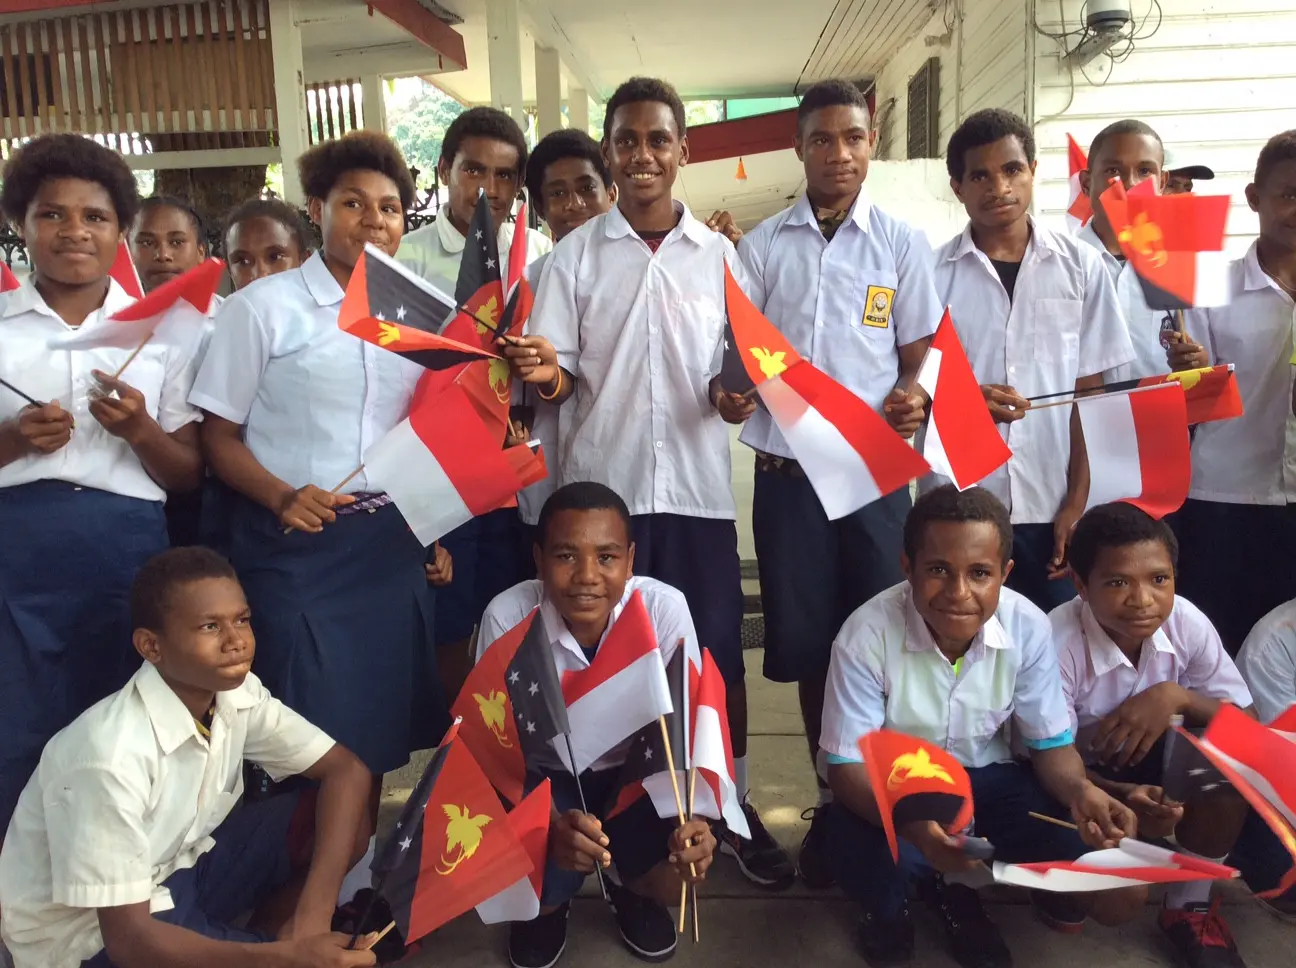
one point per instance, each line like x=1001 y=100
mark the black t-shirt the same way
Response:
x=1007 y=274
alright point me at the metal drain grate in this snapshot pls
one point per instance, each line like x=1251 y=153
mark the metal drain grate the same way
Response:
x=753 y=632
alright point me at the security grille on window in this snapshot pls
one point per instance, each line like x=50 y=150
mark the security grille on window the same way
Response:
x=924 y=110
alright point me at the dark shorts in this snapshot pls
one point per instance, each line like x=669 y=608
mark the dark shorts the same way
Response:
x=1004 y=794
x=815 y=572
x=252 y=859
x=637 y=837
x=1236 y=562
x=487 y=560
x=699 y=556
x=1032 y=552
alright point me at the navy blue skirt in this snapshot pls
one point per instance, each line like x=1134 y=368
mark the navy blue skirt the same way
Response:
x=344 y=628
x=68 y=555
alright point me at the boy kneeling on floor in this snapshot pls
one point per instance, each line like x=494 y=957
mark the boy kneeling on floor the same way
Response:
x=585 y=557
x=949 y=656
x=128 y=849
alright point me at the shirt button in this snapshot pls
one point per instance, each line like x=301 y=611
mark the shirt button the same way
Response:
x=659 y=443
x=1012 y=370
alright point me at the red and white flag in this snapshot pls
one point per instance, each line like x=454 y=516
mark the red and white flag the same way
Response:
x=1079 y=211
x=623 y=690
x=849 y=453
x=717 y=793
x=8 y=281
x=181 y=304
x=1129 y=864
x=1260 y=763
x=1138 y=448
x=529 y=821
x=442 y=466
x=124 y=272
x=960 y=441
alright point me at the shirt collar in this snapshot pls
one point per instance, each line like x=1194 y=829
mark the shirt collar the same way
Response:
x=1104 y=654
x=320 y=282
x=918 y=637
x=452 y=240
x=1042 y=242
x=560 y=636
x=1089 y=235
x=26 y=298
x=173 y=724
x=803 y=212
x=1253 y=277
x=615 y=226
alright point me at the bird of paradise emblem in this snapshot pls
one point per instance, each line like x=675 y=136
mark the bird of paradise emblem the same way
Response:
x=463 y=837
x=771 y=364
x=916 y=766
x=1146 y=238
x=494 y=712
x=486 y=316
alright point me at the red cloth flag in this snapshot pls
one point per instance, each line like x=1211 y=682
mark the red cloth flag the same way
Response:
x=123 y=271
x=1174 y=242
x=452 y=848
x=717 y=794
x=442 y=467
x=850 y=454
x=1211 y=392
x=1129 y=864
x=8 y=281
x=914 y=780
x=961 y=440
x=1138 y=448
x=1079 y=211
x=621 y=691
x=529 y=821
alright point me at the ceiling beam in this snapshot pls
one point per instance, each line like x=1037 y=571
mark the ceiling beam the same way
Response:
x=425 y=27
x=400 y=60
x=546 y=29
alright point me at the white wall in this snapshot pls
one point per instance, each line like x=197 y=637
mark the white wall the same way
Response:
x=1216 y=80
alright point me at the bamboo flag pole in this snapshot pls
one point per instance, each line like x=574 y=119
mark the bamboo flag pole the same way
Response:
x=1088 y=396
x=688 y=763
x=379 y=936
x=1179 y=321
x=692 y=780
x=337 y=487
x=130 y=359
x=670 y=765
x=1053 y=820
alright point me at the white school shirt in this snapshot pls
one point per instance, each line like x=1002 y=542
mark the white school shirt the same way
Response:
x=1097 y=676
x=1063 y=323
x=124 y=797
x=311 y=398
x=643 y=333
x=1267 y=661
x=821 y=295
x=886 y=672
x=666 y=607
x=1250 y=459
x=1144 y=323
x=546 y=428
x=435 y=251
x=163 y=371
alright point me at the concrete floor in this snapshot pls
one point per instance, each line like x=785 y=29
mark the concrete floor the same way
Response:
x=741 y=927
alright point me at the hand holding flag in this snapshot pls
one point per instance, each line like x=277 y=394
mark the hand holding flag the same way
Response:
x=920 y=786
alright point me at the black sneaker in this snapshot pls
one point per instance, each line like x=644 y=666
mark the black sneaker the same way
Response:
x=1200 y=937
x=814 y=863
x=761 y=860
x=539 y=943
x=887 y=941
x=1062 y=913
x=646 y=927
x=974 y=940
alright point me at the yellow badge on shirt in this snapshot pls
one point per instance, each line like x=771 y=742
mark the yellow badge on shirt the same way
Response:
x=877 y=307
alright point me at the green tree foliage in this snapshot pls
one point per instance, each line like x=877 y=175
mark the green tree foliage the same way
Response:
x=417 y=117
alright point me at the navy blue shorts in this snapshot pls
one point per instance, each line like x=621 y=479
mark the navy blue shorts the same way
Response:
x=637 y=837
x=1236 y=562
x=1032 y=552
x=1004 y=794
x=252 y=859
x=699 y=556
x=815 y=572
x=487 y=560
x=68 y=556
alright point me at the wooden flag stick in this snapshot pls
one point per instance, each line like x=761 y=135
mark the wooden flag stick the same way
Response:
x=1087 y=396
x=693 y=887
x=670 y=765
x=337 y=487
x=1053 y=820
x=13 y=389
x=379 y=936
x=130 y=359
x=1179 y=322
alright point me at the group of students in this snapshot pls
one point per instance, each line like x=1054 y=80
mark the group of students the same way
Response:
x=926 y=618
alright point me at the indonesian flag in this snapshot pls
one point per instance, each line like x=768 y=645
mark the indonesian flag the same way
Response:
x=623 y=690
x=1138 y=448
x=1174 y=242
x=914 y=780
x=716 y=795
x=1210 y=392
x=442 y=467
x=8 y=281
x=850 y=454
x=182 y=302
x=1079 y=211
x=529 y=822
x=961 y=441
x=124 y=272
x=1260 y=763
x=1131 y=863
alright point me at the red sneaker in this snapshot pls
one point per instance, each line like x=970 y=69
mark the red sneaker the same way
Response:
x=1200 y=937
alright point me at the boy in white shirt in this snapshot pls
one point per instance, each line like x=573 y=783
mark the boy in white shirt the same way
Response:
x=1267 y=661
x=585 y=554
x=1037 y=314
x=627 y=336
x=1238 y=526
x=127 y=848
x=1133 y=654
x=950 y=656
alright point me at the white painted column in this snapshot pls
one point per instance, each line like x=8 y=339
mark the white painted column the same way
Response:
x=290 y=92
x=373 y=103
x=548 y=69
x=578 y=108
x=504 y=54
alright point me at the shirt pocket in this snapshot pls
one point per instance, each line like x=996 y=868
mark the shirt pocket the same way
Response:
x=1057 y=330
x=872 y=310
